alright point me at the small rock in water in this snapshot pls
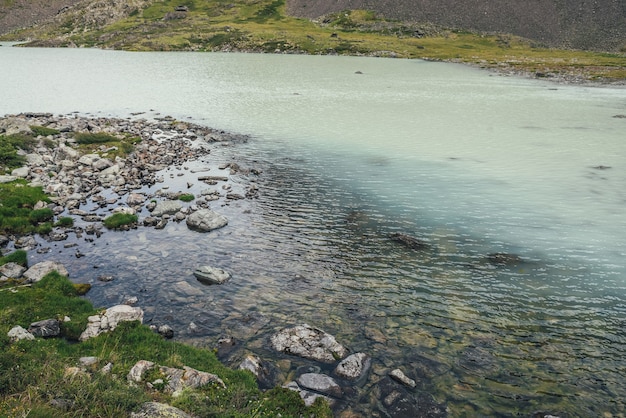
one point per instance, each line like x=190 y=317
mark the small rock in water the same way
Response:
x=400 y=377
x=211 y=275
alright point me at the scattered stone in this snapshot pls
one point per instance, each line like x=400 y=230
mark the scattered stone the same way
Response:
x=396 y=401
x=46 y=328
x=39 y=270
x=159 y=410
x=177 y=379
x=400 y=377
x=308 y=396
x=354 y=367
x=18 y=333
x=320 y=383
x=88 y=361
x=166 y=331
x=105 y=278
x=206 y=220
x=108 y=320
x=167 y=207
x=211 y=275
x=266 y=373
x=308 y=342
x=12 y=270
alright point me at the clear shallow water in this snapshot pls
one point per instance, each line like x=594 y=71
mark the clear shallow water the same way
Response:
x=470 y=162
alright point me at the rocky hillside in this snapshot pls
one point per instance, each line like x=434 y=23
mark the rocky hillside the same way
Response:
x=15 y=14
x=582 y=24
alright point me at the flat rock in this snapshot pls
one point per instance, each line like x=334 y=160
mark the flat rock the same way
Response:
x=39 y=270
x=400 y=377
x=308 y=342
x=167 y=207
x=211 y=275
x=206 y=220
x=320 y=383
x=306 y=395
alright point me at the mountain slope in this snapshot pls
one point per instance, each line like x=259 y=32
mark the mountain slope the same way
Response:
x=582 y=24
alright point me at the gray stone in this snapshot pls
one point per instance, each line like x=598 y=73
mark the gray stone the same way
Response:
x=211 y=275
x=21 y=172
x=12 y=270
x=354 y=367
x=167 y=207
x=206 y=220
x=109 y=320
x=46 y=328
x=166 y=331
x=308 y=342
x=26 y=243
x=18 y=333
x=266 y=373
x=88 y=361
x=39 y=270
x=159 y=410
x=400 y=377
x=320 y=383
x=137 y=372
x=308 y=396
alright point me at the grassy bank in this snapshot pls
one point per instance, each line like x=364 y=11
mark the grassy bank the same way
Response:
x=264 y=26
x=40 y=378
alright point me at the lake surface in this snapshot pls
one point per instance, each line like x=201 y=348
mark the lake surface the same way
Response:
x=353 y=150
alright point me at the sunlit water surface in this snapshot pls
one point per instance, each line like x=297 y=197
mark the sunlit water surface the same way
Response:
x=352 y=150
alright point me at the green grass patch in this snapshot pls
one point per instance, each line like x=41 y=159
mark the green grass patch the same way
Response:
x=116 y=146
x=85 y=138
x=119 y=220
x=9 y=146
x=35 y=374
x=17 y=216
x=43 y=131
x=186 y=197
x=65 y=222
x=18 y=256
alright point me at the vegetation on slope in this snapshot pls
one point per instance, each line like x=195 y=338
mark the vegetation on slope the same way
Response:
x=263 y=26
x=39 y=377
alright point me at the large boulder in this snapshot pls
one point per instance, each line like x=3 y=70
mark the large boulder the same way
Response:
x=109 y=320
x=308 y=342
x=39 y=270
x=206 y=220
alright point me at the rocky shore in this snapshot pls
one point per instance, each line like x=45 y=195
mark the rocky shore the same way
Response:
x=84 y=185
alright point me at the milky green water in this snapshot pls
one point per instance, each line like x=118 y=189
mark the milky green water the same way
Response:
x=354 y=149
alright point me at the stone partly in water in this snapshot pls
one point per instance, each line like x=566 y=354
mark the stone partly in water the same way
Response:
x=39 y=270
x=320 y=383
x=206 y=220
x=308 y=342
x=354 y=367
x=211 y=275
x=397 y=401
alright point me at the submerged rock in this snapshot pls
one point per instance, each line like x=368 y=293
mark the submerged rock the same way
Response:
x=308 y=342
x=409 y=241
x=504 y=259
